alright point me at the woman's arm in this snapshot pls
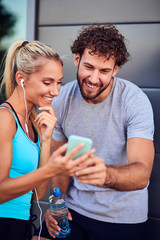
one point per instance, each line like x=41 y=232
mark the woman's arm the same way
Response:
x=58 y=163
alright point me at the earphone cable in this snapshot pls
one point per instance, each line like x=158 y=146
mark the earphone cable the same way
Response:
x=40 y=217
x=26 y=126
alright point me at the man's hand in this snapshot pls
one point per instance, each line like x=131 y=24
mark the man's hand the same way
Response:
x=94 y=172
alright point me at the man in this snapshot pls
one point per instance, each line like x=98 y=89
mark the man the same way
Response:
x=118 y=117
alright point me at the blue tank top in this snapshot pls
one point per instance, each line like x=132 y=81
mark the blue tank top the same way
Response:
x=25 y=159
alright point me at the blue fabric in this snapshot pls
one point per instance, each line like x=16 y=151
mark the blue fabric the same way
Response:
x=25 y=159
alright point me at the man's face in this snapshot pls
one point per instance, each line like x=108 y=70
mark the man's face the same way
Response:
x=95 y=76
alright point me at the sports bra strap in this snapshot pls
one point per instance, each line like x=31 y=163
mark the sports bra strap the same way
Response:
x=14 y=113
x=35 y=133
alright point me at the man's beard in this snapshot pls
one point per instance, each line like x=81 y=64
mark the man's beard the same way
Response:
x=87 y=96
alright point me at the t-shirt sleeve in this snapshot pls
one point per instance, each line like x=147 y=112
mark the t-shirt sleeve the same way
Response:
x=140 y=122
x=58 y=133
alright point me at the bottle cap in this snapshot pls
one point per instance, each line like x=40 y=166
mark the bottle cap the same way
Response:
x=56 y=192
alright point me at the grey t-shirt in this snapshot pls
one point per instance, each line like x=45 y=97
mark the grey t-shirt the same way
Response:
x=125 y=113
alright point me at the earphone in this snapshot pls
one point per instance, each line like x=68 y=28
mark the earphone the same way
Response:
x=40 y=217
x=22 y=81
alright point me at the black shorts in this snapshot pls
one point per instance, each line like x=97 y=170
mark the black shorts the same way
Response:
x=14 y=229
x=84 y=228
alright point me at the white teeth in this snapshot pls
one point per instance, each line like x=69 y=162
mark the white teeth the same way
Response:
x=91 y=86
x=48 y=99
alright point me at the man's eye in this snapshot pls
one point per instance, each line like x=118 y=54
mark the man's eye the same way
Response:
x=105 y=71
x=59 y=82
x=88 y=67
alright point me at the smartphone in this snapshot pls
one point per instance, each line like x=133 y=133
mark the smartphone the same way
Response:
x=74 y=140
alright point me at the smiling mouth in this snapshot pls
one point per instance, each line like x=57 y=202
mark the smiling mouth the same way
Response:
x=48 y=98
x=91 y=86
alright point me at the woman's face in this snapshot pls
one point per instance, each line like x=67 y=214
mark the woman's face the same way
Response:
x=44 y=85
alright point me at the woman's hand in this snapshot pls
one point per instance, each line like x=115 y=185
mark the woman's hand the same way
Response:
x=46 y=120
x=61 y=164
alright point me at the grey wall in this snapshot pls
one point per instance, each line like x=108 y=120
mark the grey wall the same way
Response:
x=58 y=22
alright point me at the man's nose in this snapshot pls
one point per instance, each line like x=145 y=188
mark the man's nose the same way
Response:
x=94 y=77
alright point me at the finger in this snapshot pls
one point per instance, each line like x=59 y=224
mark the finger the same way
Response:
x=86 y=156
x=96 y=169
x=61 y=150
x=81 y=162
x=47 y=108
x=47 y=116
x=53 y=231
x=74 y=151
x=90 y=176
x=52 y=226
x=49 y=219
x=96 y=182
x=95 y=179
x=46 y=122
x=84 y=161
x=69 y=216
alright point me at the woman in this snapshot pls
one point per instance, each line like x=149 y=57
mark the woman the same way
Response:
x=32 y=76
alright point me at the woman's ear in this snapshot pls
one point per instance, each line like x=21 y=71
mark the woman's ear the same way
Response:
x=76 y=59
x=19 y=76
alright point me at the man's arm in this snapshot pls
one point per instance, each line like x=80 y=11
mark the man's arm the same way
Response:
x=133 y=176
x=136 y=174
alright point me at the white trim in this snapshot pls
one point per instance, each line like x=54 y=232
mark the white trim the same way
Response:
x=31 y=12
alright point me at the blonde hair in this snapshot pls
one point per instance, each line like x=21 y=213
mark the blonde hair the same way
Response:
x=27 y=58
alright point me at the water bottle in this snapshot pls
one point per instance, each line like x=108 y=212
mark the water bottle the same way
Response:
x=59 y=210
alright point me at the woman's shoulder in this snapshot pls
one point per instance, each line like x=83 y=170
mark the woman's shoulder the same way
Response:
x=7 y=120
x=6 y=113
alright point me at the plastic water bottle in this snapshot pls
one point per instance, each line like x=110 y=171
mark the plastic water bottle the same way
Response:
x=59 y=210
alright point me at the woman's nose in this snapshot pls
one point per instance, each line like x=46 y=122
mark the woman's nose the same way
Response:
x=54 y=91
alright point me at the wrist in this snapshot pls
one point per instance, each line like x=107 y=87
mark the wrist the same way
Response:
x=108 y=177
x=49 y=171
x=45 y=141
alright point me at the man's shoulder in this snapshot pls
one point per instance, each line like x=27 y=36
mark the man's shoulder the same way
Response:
x=127 y=88
x=65 y=93
x=69 y=86
x=131 y=94
x=127 y=84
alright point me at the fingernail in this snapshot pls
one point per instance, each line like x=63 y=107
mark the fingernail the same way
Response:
x=81 y=144
x=65 y=145
x=93 y=150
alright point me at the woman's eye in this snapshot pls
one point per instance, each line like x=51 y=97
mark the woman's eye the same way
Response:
x=46 y=83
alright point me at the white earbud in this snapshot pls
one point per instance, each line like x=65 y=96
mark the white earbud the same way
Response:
x=22 y=81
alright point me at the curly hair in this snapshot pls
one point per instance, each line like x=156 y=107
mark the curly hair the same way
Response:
x=102 y=41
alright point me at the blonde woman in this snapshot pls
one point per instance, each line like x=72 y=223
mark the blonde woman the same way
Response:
x=32 y=77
